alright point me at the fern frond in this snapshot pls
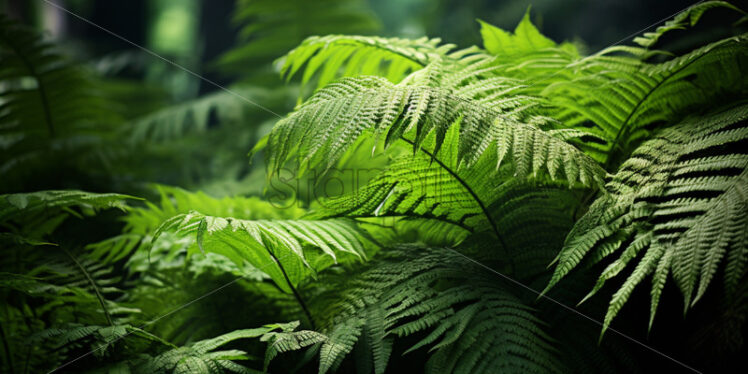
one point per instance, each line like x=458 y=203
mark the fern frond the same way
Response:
x=265 y=243
x=623 y=98
x=526 y=38
x=48 y=109
x=335 y=56
x=473 y=324
x=330 y=122
x=684 y=19
x=29 y=218
x=528 y=55
x=220 y=108
x=270 y=29
x=200 y=356
x=101 y=339
x=141 y=222
x=681 y=200
x=15 y=205
x=287 y=339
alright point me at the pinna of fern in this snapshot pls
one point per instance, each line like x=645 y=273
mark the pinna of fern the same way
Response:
x=50 y=107
x=620 y=97
x=288 y=251
x=58 y=278
x=681 y=200
x=269 y=28
x=473 y=324
x=344 y=111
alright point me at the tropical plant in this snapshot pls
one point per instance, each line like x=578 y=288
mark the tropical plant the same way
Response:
x=485 y=165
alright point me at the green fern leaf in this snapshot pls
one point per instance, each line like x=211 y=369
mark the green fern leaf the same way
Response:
x=277 y=247
x=681 y=199
x=392 y=58
x=342 y=112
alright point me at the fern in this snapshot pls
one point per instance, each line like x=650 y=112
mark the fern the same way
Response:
x=100 y=338
x=287 y=339
x=480 y=155
x=269 y=29
x=680 y=200
x=435 y=187
x=527 y=55
x=29 y=218
x=43 y=116
x=344 y=111
x=229 y=109
x=624 y=98
x=355 y=55
x=475 y=325
x=142 y=222
x=201 y=356
x=687 y=18
x=266 y=243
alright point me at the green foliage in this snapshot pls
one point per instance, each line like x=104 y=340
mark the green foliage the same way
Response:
x=625 y=98
x=53 y=114
x=264 y=243
x=201 y=356
x=426 y=103
x=336 y=56
x=680 y=199
x=270 y=28
x=229 y=109
x=475 y=325
x=526 y=39
x=486 y=163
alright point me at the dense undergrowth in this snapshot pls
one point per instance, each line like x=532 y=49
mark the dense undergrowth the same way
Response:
x=412 y=197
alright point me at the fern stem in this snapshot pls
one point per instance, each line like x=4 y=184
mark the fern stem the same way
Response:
x=622 y=130
x=7 y=350
x=39 y=85
x=296 y=293
x=95 y=287
x=472 y=193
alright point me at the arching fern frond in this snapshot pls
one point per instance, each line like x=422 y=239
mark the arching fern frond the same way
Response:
x=13 y=206
x=284 y=249
x=100 y=339
x=131 y=342
x=335 y=56
x=215 y=109
x=28 y=218
x=270 y=28
x=472 y=324
x=142 y=221
x=683 y=20
x=201 y=356
x=330 y=122
x=679 y=205
x=621 y=98
x=48 y=109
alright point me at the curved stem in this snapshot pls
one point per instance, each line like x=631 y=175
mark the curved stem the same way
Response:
x=625 y=122
x=472 y=193
x=39 y=84
x=293 y=290
x=95 y=287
